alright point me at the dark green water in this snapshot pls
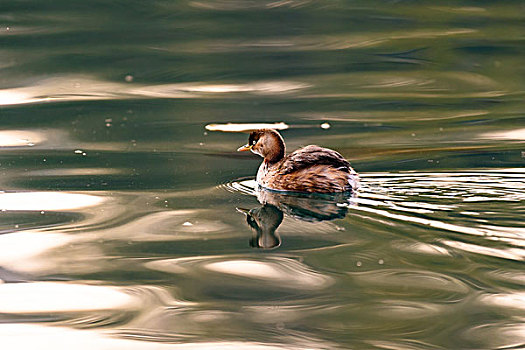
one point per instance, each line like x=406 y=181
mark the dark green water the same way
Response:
x=126 y=224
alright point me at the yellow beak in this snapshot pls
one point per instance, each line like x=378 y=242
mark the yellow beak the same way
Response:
x=244 y=211
x=244 y=148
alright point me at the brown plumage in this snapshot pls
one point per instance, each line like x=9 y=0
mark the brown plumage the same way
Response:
x=309 y=169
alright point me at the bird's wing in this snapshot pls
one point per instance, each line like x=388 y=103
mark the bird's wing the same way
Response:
x=313 y=155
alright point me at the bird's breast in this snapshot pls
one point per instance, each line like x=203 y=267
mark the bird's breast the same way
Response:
x=262 y=174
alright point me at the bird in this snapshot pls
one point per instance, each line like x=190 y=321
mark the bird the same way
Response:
x=311 y=169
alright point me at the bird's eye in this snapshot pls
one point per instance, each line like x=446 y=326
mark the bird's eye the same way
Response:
x=254 y=142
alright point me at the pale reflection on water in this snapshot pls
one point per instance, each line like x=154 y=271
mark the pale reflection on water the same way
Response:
x=518 y=134
x=22 y=251
x=47 y=201
x=85 y=88
x=47 y=297
x=18 y=138
x=276 y=273
x=30 y=336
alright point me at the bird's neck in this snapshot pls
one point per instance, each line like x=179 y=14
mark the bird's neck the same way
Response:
x=276 y=151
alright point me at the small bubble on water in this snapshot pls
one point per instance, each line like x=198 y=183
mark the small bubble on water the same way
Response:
x=381 y=261
x=84 y=154
x=522 y=154
x=325 y=126
x=128 y=78
x=201 y=143
x=78 y=151
x=359 y=264
x=7 y=28
x=42 y=212
x=413 y=135
x=17 y=226
x=187 y=223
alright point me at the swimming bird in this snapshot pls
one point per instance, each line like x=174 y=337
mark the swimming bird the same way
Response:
x=311 y=169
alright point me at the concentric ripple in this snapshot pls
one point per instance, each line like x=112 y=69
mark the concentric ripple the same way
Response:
x=455 y=202
x=245 y=186
x=461 y=203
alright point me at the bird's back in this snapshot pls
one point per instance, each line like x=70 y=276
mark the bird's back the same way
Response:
x=313 y=155
x=311 y=169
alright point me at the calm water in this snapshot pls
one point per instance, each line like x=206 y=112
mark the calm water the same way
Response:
x=126 y=224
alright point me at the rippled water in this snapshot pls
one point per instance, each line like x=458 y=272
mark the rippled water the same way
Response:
x=128 y=221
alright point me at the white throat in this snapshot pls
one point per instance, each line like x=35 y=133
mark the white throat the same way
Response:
x=256 y=152
x=261 y=173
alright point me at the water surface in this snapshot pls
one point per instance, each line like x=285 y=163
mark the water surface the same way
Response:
x=126 y=223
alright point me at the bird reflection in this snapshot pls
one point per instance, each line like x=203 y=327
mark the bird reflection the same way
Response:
x=265 y=219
